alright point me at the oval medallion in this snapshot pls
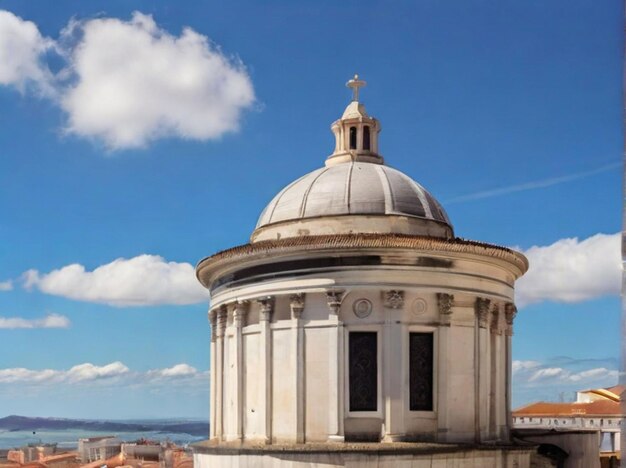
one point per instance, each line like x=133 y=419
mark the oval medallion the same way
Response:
x=419 y=306
x=362 y=308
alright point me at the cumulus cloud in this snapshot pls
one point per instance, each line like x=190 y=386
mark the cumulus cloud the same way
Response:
x=50 y=321
x=22 y=49
x=179 y=370
x=6 y=285
x=115 y=373
x=139 y=281
x=570 y=270
x=80 y=373
x=559 y=378
x=128 y=83
x=88 y=371
x=548 y=374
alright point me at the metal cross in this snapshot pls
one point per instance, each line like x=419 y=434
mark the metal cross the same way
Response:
x=355 y=84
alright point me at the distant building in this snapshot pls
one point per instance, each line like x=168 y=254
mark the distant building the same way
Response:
x=98 y=448
x=596 y=411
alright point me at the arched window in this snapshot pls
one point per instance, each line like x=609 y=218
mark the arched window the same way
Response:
x=366 y=138
x=352 y=137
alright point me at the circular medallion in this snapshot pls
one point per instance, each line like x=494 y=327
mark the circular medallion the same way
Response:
x=419 y=306
x=362 y=308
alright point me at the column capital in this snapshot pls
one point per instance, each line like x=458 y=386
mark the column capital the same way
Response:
x=393 y=299
x=334 y=298
x=222 y=318
x=296 y=303
x=445 y=302
x=240 y=311
x=213 y=321
x=495 y=319
x=481 y=308
x=267 y=308
x=510 y=311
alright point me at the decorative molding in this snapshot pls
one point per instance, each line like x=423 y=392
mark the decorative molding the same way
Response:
x=394 y=299
x=482 y=311
x=362 y=308
x=296 y=303
x=334 y=299
x=240 y=311
x=445 y=302
x=267 y=308
x=510 y=311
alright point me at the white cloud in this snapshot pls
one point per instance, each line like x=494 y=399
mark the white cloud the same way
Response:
x=520 y=366
x=128 y=83
x=543 y=374
x=88 y=371
x=179 y=370
x=138 y=281
x=559 y=378
x=572 y=271
x=6 y=285
x=21 y=54
x=112 y=374
x=50 y=321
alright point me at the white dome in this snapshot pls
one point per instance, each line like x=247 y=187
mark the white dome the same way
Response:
x=357 y=189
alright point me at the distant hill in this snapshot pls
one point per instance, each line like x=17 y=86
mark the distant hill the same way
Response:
x=22 y=423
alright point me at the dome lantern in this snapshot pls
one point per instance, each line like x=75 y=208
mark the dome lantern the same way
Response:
x=356 y=133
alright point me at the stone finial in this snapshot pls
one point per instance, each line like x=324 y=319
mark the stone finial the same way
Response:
x=510 y=311
x=482 y=311
x=444 y=304
x=393 y=299
x=334 y=299
x=239 y=313
x=355 y=84
x=267 y=308
x=296 y=302
x=222 y=318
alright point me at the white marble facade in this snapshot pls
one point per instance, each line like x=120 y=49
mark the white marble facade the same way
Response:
x=279 y=347
x=357 y=247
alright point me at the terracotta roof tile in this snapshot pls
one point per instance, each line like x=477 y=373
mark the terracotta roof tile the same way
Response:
x=346 y=241
x=594 y=408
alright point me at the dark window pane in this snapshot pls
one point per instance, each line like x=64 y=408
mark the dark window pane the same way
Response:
x=363 y=372
x=352 y=137
x=366 y=138
x=421 y=371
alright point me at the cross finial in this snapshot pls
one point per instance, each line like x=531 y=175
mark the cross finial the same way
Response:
x=355 y=84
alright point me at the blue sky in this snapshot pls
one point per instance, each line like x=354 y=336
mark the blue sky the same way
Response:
x=508 y=112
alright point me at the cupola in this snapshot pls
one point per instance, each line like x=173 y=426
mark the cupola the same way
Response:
x=356 y=133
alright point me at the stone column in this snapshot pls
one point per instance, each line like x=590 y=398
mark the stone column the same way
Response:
x=239 y=317
x=213 y=371
x=510 y=311
x=222 y=317
x=296 y=303
x=494 y=372
x=265 y=317
x=481 y=374
x=445 y=302
x=335 y=368
x=394 y=367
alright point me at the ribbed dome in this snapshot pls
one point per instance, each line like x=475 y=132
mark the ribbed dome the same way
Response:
x=356 y=188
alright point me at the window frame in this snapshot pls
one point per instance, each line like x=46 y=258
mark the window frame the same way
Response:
x=417 y=414
x=379 y=371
